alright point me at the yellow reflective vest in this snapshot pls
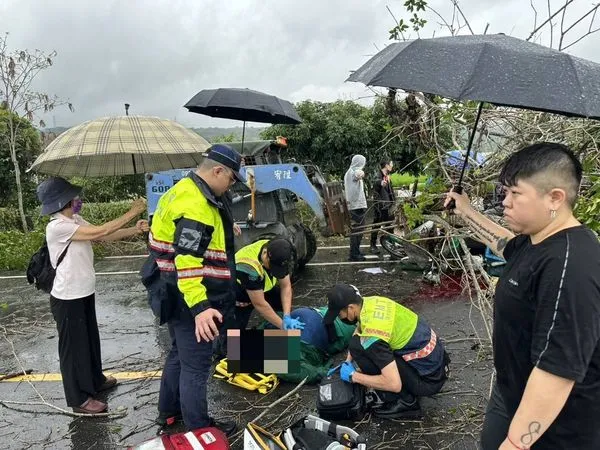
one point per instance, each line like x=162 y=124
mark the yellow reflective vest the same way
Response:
x=204 y=281
x=247 y=259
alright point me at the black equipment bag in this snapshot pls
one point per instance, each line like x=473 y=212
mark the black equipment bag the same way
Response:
x=337 y=399
x=40 y=271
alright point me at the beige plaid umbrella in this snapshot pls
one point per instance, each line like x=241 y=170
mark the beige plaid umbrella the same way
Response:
x=124 y=145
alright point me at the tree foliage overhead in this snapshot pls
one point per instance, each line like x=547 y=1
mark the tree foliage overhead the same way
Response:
x=331 y=133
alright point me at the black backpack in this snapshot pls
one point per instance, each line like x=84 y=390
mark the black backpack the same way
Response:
x=337 y=399
x=40 y=271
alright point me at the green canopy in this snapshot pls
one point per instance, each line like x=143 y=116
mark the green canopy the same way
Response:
x=251 y=148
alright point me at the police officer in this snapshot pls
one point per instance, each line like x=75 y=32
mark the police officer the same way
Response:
x=397 y=353
x=191 y=245
x=264 y=284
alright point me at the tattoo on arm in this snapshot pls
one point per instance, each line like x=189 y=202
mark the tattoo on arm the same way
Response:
x=485 y=233
x=501 y=243
x=528 y=438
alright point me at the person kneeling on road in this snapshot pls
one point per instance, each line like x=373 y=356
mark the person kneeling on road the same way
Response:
x=396 y=351
x=263 y=282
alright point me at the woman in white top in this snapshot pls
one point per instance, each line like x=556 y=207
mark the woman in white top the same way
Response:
x=72 y=299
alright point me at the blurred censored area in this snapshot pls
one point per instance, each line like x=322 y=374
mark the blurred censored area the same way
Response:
x=263 y=351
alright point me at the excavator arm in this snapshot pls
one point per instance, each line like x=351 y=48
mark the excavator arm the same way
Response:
x=325 y=200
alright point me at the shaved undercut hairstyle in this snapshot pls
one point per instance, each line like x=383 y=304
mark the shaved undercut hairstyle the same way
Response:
x=547 y=166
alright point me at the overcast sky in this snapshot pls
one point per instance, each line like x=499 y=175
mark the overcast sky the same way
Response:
x=156 y=54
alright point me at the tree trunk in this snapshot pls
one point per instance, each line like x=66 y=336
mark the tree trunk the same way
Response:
x=13 y=155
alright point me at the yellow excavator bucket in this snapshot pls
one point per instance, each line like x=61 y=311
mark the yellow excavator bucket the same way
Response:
x=250 y=381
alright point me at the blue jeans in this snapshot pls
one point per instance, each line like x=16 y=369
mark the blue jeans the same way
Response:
x=186 y=371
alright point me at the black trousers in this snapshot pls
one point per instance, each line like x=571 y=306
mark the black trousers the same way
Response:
x=496 y=422
x=412 y=382
x=381 y=213
x=357 y=219
x=78 y=348
x=243 y=313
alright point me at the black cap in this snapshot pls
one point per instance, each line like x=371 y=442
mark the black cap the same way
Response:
x=338 y=298
x=280 y=254
x=227 y=156
x=55 y=193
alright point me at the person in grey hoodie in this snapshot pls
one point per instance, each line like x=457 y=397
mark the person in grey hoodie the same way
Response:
x=357 y=202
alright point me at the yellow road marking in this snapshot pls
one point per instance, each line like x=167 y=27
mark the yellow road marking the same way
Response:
x=58 y=377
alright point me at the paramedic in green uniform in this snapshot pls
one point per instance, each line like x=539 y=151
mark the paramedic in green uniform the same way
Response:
x=394 y=351
x=264 y=284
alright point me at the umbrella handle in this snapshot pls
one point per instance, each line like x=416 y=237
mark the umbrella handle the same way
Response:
x=452 y=204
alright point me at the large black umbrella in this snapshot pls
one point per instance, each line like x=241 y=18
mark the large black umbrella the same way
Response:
x=498 y=69
x=243 y=104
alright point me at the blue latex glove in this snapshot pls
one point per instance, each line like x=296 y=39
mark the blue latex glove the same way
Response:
x=292 y=324
x=346 y=371
x=333 y=370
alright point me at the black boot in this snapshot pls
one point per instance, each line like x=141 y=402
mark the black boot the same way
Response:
x=229 y=427
x=166 y=419
x=405 y=407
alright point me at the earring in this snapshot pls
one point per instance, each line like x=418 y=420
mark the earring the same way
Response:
x=553 y=214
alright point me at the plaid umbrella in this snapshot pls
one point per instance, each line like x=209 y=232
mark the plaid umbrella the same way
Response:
x=126 y=145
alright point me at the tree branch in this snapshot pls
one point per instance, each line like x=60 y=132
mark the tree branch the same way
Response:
x=455 y=2
x=568 y=2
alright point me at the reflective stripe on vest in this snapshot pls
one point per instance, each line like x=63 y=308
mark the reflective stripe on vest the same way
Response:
x=425 y=351
x=160 y=246
x=165 y=265
x=205 y=271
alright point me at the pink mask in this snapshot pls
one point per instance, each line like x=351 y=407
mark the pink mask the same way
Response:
x=76 y=205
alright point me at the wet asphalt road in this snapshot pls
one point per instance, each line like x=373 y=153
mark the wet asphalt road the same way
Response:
x=132 y=341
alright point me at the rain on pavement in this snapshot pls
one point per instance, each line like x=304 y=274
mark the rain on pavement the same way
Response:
x=132 y=342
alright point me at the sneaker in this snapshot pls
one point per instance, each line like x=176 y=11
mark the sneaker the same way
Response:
x=91 y=406
x=399 y=409
x=167 y=419
x=109 y=382
x=375 y=250
x=229 y=427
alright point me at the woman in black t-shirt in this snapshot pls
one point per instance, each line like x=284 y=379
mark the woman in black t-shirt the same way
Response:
x=546 y=307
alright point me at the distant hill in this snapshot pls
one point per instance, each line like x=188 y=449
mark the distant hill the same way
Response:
x=55 y=130
x=252 y=133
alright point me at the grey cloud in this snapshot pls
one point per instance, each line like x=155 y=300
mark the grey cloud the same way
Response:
x=156 y=54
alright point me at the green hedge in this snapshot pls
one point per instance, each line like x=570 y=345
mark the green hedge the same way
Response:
x=99 y=213
x=10 y=219
x=405 y=179
x=16 y=248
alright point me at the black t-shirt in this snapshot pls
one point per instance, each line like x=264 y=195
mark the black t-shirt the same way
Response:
x=547 y=315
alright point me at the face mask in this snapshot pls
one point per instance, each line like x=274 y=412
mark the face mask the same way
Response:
x=349 y=322
x=76 y=205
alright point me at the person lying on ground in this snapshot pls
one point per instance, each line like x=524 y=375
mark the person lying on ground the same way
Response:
x=318 y=343
x=73 y=296
x=394 y=351
x=546 y=307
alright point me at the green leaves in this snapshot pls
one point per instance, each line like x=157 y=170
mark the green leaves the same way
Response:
x=416 y=22
x=415 y=5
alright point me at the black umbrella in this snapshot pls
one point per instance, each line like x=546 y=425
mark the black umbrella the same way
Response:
x=243 y=104
x=498 y=69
